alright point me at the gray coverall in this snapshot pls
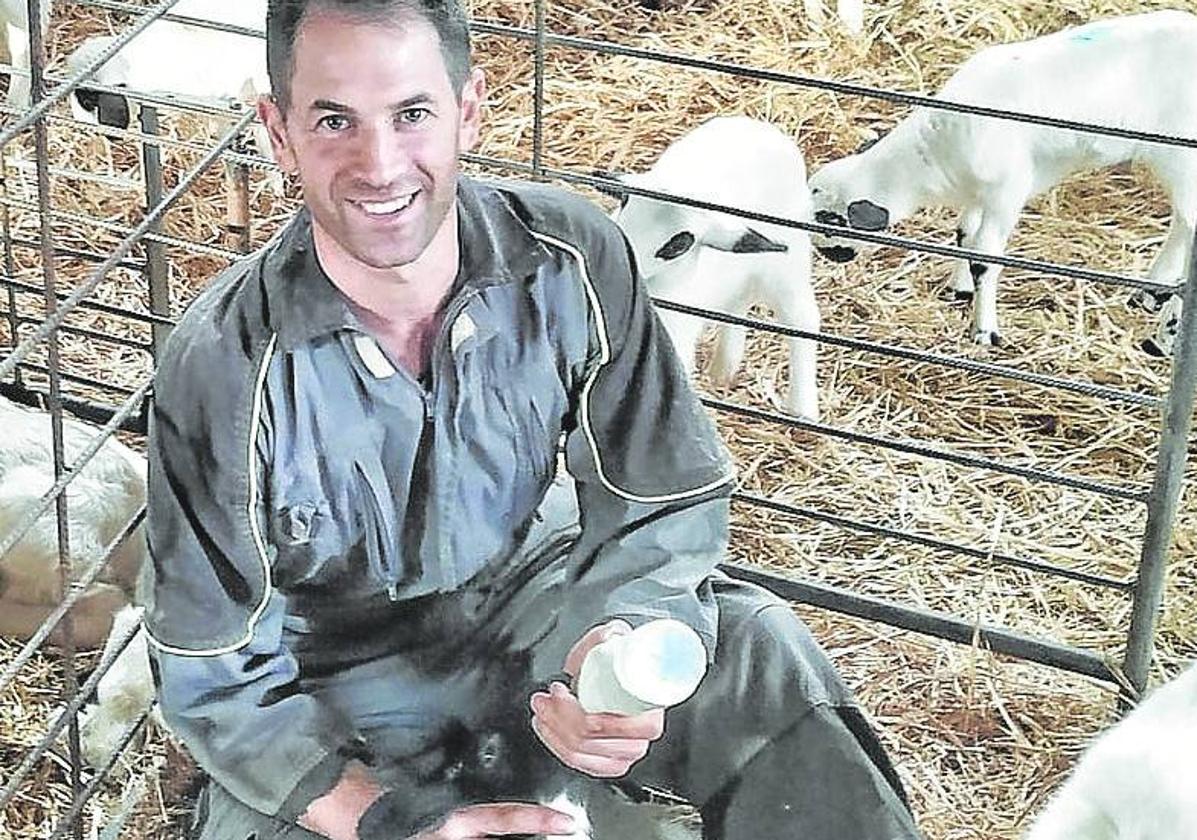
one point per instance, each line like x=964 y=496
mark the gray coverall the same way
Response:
x=320 y=523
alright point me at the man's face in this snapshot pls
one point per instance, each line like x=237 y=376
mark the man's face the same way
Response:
x=374 y=130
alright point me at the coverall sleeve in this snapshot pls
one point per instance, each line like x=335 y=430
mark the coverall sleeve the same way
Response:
x=651 y=472
x=227 y=683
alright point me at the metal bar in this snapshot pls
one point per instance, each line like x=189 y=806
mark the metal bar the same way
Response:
x=9 y=262
x=157 y=273
x=881 y=531
x=1112 y=491
x=41 y=142
x=97 y=413
x=748 y=72
x=253 y=160
x=538 y=92
x=132 y=264
x=995 y=639
x=93 y=334
x=1165 y=490
x=1087 y=389
x=203 y=23
x=124 y=230
x=32 y=367
x=121 y=250
x=238 y=214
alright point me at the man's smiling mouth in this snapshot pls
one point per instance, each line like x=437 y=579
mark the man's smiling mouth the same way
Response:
x=386 y=208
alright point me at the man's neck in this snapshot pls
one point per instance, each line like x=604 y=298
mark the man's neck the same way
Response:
x=401 y=306
x=406 y=293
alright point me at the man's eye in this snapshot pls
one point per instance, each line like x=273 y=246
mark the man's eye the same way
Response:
x=413 y=116
x=334 y=122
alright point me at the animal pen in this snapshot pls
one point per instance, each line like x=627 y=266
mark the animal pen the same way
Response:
x=979 y=536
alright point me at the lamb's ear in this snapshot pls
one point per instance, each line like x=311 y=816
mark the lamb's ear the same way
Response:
x=740 y=239
x=867 y=144
x=611 y=189
x=113 y=110
x=865 y=215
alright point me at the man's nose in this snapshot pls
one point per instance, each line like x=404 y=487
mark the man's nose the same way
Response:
x=382 y=156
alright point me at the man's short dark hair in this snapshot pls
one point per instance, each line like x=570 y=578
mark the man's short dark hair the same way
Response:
x=284 y=17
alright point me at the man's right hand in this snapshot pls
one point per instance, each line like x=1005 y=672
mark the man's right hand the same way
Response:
x=498 y=819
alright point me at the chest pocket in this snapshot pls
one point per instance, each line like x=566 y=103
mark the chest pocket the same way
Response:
x=299 y=533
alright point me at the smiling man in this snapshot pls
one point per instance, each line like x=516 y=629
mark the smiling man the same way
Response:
x=354 y=488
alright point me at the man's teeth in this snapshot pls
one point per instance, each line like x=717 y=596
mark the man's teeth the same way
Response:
x=386 y=207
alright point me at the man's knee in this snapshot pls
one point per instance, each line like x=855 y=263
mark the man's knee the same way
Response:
x=768 y=657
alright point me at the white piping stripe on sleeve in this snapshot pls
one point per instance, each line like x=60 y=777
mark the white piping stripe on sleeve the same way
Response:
x=600 y=321
x=255 y=419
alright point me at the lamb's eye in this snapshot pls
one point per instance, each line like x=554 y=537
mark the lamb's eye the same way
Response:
x=677 y=245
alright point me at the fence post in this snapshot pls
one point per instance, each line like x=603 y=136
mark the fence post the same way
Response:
x=237 y=213
x=538 y=94
x=157 y=273
x=10 y=266
x=1165 y=490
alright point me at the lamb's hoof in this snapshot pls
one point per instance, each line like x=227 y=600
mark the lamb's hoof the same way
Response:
x=1152 y=348
x=962 y=295
x=1148 y=300
x=987 y=338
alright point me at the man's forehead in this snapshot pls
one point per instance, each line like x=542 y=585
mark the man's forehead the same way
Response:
x=337 y=53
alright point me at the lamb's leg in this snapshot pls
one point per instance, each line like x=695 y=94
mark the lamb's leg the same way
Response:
x=684 y=330
x=996 y=225
x=966 y=237
x=1171 y=265
x=814 y=11
x=19 y=85
x=729 y=353
x=851 y=14
x=797 y=306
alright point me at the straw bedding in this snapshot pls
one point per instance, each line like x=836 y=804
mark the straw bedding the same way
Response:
x=981 y=739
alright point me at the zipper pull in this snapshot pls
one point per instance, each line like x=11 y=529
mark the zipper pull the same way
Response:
x=393 y=591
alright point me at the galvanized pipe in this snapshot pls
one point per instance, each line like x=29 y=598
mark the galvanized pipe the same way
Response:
x=1165 y=490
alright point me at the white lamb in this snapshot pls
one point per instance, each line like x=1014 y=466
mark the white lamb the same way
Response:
x=101 y=501
x=720 y=261
x=14 y=14
x=1138 y=780
x=176 y=59
x=1132 y=72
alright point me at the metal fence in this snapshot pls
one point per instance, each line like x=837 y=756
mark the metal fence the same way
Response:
x=32 y=370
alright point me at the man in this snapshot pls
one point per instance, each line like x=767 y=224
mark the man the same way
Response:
x=353 y=459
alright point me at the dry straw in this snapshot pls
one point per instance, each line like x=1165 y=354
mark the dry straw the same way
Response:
x=981 y=740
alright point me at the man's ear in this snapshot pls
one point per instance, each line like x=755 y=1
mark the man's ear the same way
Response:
x=276 y=129
x=473 y=94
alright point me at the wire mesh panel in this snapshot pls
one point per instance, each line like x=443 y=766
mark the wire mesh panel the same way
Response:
x=1020 y=499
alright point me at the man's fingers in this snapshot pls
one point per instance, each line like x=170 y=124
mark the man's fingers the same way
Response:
x=600 y=766
x=562 y=710
x=500 y=818
x=593 y=636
